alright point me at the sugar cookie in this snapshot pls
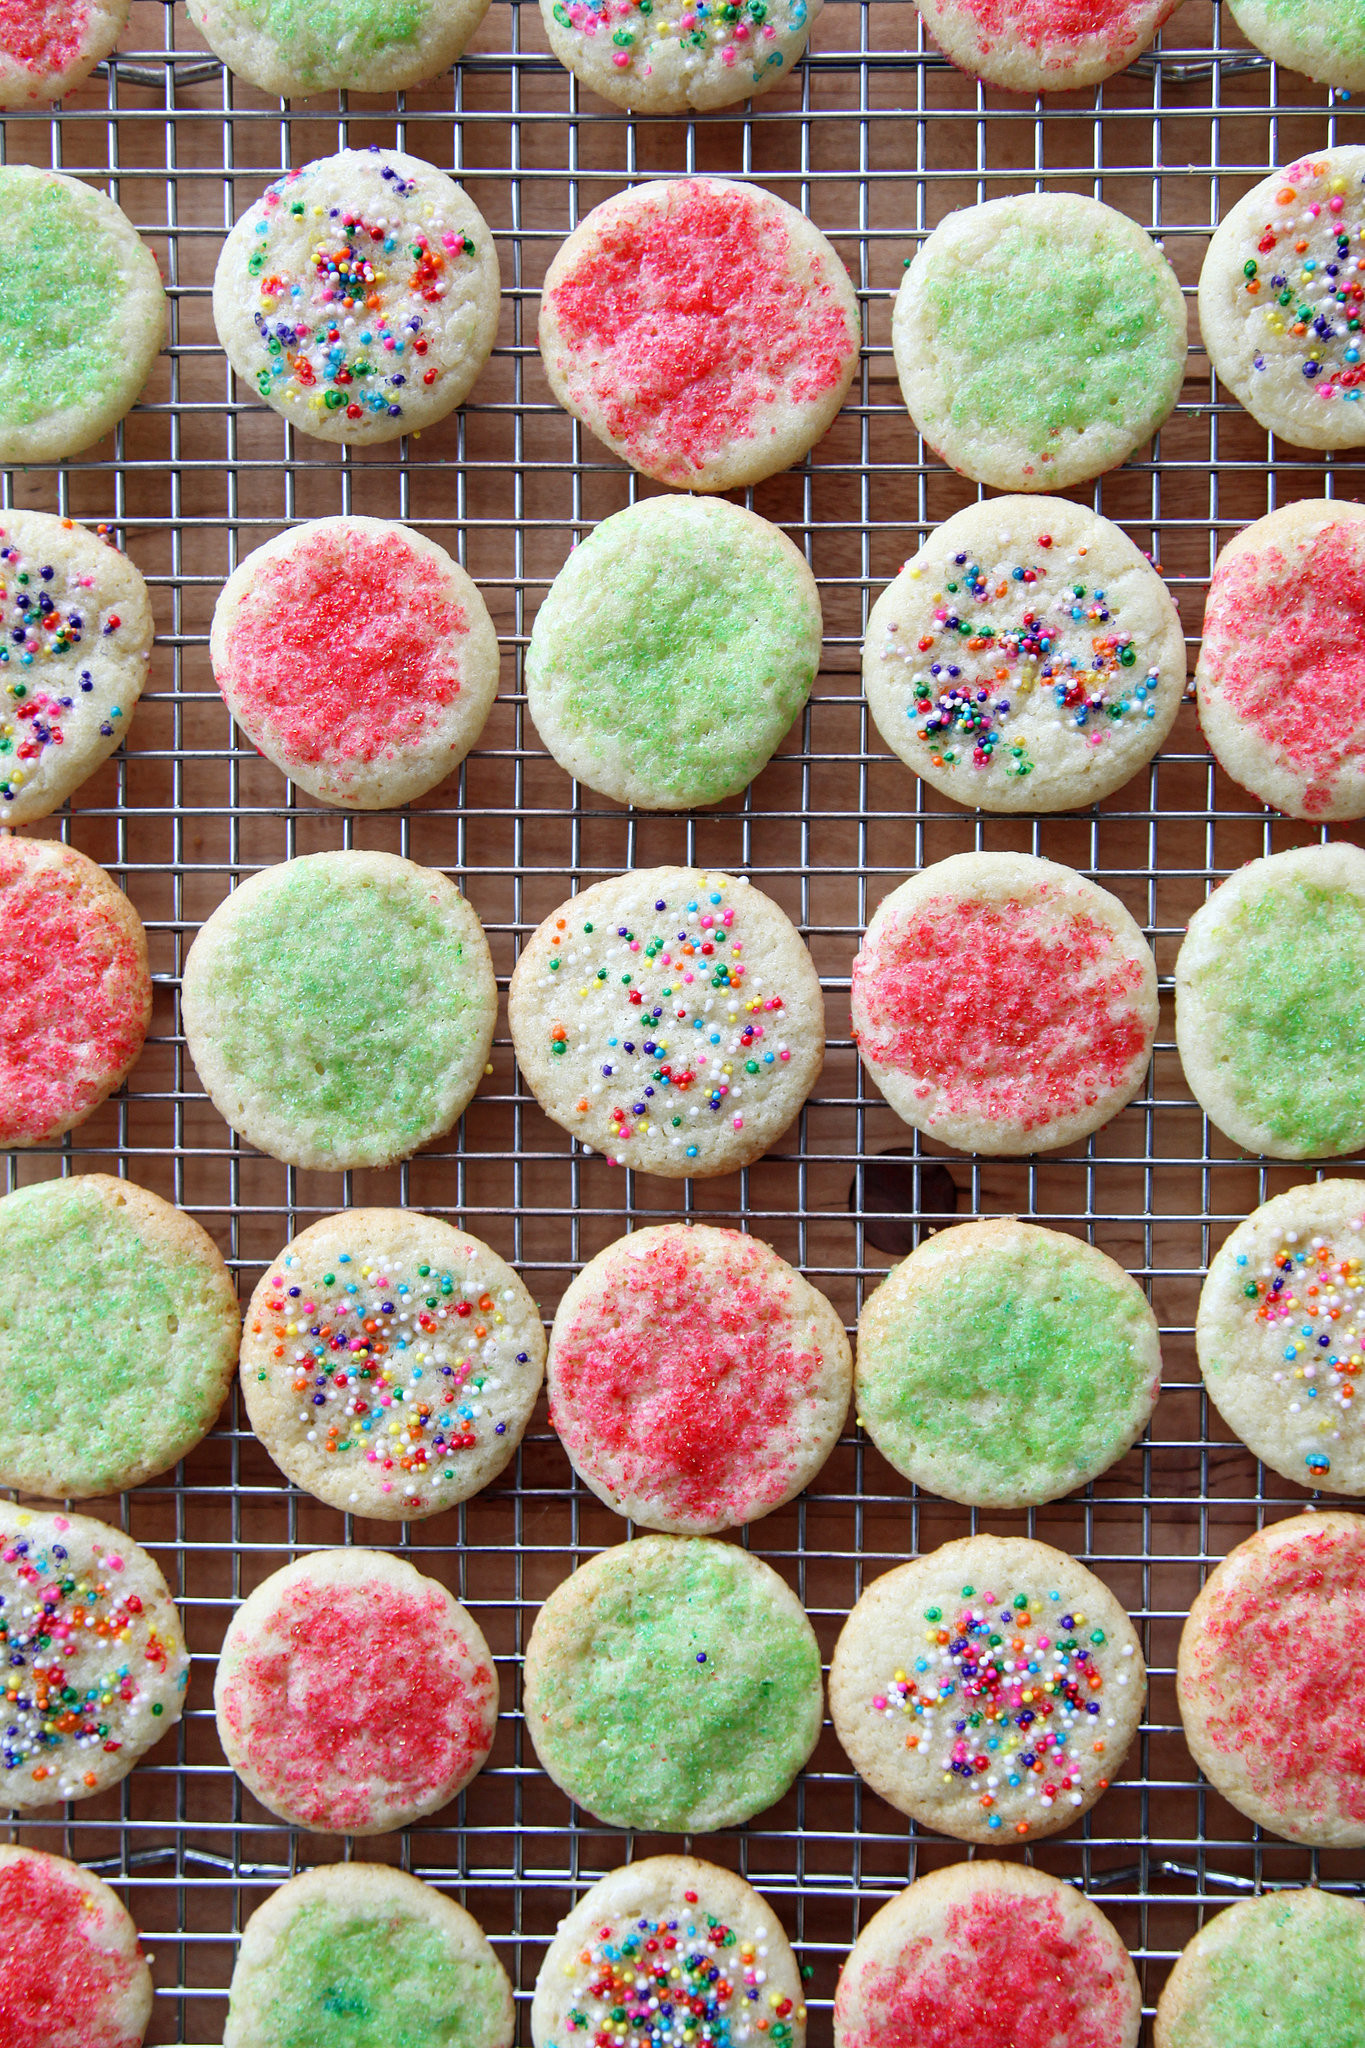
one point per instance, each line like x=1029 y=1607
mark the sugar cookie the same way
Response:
x=337 y=45
x=1325 y=38
x=1040 y=46
x=1267 y=1972
x=665 y=58
x=72 y=1971
x=48 y=47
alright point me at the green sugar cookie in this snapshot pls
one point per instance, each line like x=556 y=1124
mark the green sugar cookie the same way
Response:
x=1325 y=38
x=340 y=1007
x=1280 y=1971
x=673 y=1684
x=118 y=1336
x=1002 y=1365
x=1270 y=1004
x=298 y=47
x=674 y=650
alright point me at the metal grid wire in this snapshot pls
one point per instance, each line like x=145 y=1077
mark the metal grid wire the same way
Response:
x=876 y=138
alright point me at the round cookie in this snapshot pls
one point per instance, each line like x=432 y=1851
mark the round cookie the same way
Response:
x=378 y=46
x=353 y=1694
x=1038 y=46
x=1281 y=675
x=360 y=1955
x=1252 y=1977
x=390 y=1364
x=118 y=1336
x=984 y=1953
x=671 y=1019
x=1028 y=658
x=1325 y=38
x=1281 y=1334
x=75 y=989
x=673 y=652
x=75 y=643
x=83 y=313
x=670 y=58
x=1277 y=304
x=673 y=1684
x=989 y=1690
x=1038 y=340
x=72 y=1971
x=1267 y=1004
x=670 y=1930
x=340 y=1008
x=357 y=657
x=47 y=47
x=704 y=330
x=1271 y=1676
x=696 y=1380
x=95 y=1657
x=359 y=296
x=1004 y=1004
x=1001 y=1365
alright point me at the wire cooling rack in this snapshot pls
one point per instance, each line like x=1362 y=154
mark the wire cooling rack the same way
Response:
x=876 y=138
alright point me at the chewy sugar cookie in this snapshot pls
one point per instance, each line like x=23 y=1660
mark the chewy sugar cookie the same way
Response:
x=83 y=313
x=668 y=1330
x=1028 y=658
x=1037 y=46
x=337 y=45
x=983 y=1953
x=990 y=1690
x=47 y=47
x=353 y=1694
x=359 y=296
x=673 y=1684
x=674 y=650
x=669 y=1018
x=671 y=1930
x=1325 y=38
x=1038 y=340
x=96 y=1657
x=390 y=1363
x=1267 y=1004
x=360 y=1955
x=703 y=329
x=1004 y=1003
x=75 y=989
x=1281 y=675
x=1277 y=300
x=1265 y=1970
x=72 y=1971
x=673 y=57
x=349 y=1049
x=118 y=1336
x=75 y=643
x=357 y=657
x=1270 y=1678
x=1281 y=1333
x=1002 y=1365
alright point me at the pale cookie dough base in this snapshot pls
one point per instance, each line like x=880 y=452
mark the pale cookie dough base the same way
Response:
x=387 y=56
x=1324 y=38
x=1286 y=1944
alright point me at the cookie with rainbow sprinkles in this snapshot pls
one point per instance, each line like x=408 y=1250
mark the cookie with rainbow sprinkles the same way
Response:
x=1280 y=298
x=339 y=45
x=72 y=1970
x=1288 y=1966
x=1271 y=1674
x=1325 y=38
x=1040 y=45
x=47 y=47
x=678 y=56
x=359 y=296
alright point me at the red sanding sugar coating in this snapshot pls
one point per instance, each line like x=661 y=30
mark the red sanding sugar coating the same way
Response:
x=1016 y=1011
x=72 y=998
x=1285 y=1645
x=55 y=1985
x=1008 y=1972
x=368 y=1694
x=694 y=320
x=1285 y=642
x=1065 y=24
x=42 y=35
x=345 y=655
x=680 y=1380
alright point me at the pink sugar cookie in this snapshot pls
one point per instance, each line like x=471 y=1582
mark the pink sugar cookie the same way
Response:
x=1004 y=1004
x=75 y=989
x=703 y=329
x=1281 y=675
x=48 y=46
x=1271 y=1679
x=696 y=1380
x=72 y=1972
x=353 y=1694
x=357 y=657
x=1044 y=45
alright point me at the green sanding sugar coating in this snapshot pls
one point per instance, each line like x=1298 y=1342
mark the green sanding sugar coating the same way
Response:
x=1290 y=1973
x=1008 y=1373
x=60 y=293
x=311 y=33
x=676 y=1686
x=341 y=1979
x=1340 y=23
